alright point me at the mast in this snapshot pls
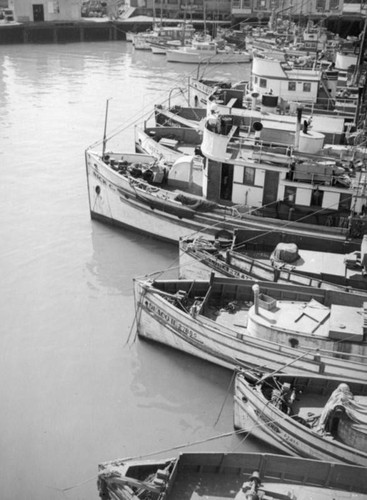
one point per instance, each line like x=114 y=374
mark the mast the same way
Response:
x=105 y=130
x=204 y=12
x=358 y=75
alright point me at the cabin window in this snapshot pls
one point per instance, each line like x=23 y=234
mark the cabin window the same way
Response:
x=249 y=176
x=345 y=201
x=292 y=86
x=260 y=5
x=263 y=83
x=316 y=197
x=290 y=194
x=321 y=5
x=307 y=87
x=334 y=4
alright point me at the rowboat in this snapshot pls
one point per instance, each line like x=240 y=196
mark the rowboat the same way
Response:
x=262 y=325
x=230 y=475
x=311 y=416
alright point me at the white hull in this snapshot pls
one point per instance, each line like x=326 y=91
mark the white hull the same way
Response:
x=158 y=50
x=270 y=424
x=228 y=347
x=109 y=205
x=191 y=57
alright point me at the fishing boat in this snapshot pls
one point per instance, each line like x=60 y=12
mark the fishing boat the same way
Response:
x=311 y=416
x=267 y=180
x=230 y=475
x=265 y=325
x=238 y=255
x=209 y=52
x=250 y=109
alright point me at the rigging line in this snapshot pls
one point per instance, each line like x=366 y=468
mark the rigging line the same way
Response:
x=289 y=223
x=258 y=425
x=63 y=490
x=251 y=239
x=225 y=399
x=133 y=121
x=135 y=320
x=201 y=441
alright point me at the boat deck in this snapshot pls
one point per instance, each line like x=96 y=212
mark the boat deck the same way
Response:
x=208 y=486
x=234 y=315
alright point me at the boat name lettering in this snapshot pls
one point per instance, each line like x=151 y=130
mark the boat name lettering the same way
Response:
x=171 y=320
x=227 y=269
x=268 y=422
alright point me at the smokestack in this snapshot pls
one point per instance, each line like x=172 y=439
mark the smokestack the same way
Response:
x=254 y=96
x=256 y=290
x=298 y=128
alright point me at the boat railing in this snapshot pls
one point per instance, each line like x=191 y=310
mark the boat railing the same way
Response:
x=317 y=352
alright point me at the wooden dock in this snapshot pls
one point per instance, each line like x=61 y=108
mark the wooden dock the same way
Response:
x=62 y=32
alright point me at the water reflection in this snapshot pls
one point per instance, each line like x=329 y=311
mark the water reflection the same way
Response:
x=120 y=255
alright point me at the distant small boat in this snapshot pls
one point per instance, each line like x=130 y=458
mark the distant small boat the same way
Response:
x=129 y=36
x=262 y=325
x=208 y=52
x=313 y=416
x=230 y=476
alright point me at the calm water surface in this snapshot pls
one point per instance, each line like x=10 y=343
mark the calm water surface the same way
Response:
x=77 y=387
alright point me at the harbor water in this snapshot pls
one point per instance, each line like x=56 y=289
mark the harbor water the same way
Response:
x=77 y=386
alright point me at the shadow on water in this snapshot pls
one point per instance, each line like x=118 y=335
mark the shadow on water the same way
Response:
x=121 y=255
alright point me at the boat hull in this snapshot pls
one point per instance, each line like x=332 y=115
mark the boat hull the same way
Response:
x=160 y=321
x=198 y=260
x=225 y=473
x=113 y=200
x=254 y=414
x=191 y=57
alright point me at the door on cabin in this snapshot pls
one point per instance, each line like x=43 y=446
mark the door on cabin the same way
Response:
x=38 y=13
x=270 y=194
x=226 y=182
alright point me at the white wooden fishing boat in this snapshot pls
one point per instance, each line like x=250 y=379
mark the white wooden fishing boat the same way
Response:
x=181 y=33
x=239 y=256
x=294 y=191
x=316 y=86
x=235 y=101
x=208 y=52
x=312 y=416
x=263 y=325
x=179 y=192
x=172 y=37
x=230 y=475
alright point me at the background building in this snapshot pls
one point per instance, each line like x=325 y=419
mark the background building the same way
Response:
x=46 y=10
